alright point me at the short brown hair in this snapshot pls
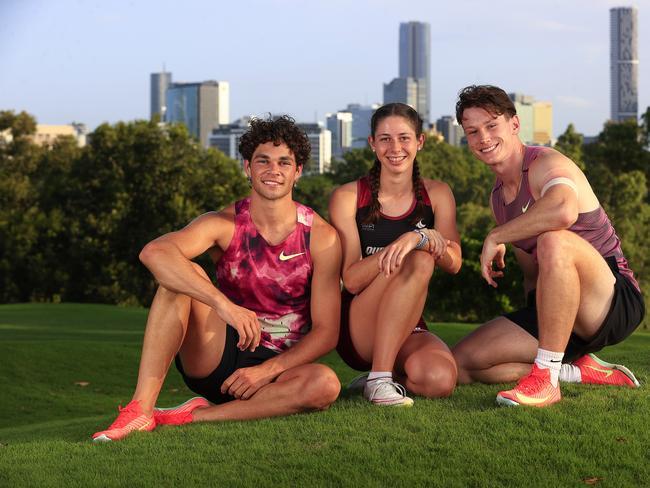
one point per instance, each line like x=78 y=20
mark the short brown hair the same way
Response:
x=488 y=97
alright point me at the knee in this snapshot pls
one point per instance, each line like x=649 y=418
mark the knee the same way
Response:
x=552 y=248
x=419 y=265
x=320 y=389
x=436 y=381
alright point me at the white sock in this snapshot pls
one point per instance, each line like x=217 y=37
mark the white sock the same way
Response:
x=550 y=360
x=373 y=375
x=570 y=374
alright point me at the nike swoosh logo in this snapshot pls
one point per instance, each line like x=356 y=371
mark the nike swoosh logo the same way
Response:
x=525 y=207
x=287 y=257
x=531 y=400
x=608 y=372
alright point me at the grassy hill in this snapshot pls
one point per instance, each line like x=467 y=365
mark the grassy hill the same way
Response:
x=66 y=367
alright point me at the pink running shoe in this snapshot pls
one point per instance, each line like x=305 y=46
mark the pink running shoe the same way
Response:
x=595 y=371
x=534 y=390
x=131 y=418
x=182 y=414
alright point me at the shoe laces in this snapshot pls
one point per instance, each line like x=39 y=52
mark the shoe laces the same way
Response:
x=532 y=383
x=127 y=415
x=383 y=384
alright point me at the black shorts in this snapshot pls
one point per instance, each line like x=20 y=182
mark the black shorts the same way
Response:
x=345 y=348
x=232 y=359
x=624 y=316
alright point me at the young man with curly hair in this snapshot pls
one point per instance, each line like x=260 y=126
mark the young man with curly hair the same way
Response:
x=582 y=295
x=247 y=346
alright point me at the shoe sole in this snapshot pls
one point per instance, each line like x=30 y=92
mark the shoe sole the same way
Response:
x=187 y=402
x=506 y=402
x=617 y=367
x=405 y=404
x=358 y=383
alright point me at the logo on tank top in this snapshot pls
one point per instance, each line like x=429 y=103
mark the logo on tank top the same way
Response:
x=525 y=207
x=368 y=227
x=287 y=257
x=372 y=250
x=421 y=224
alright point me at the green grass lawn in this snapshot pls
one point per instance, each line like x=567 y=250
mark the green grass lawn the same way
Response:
x=65 y=368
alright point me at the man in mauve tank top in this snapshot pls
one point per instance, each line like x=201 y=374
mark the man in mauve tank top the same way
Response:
x=248 y=346
x=581 y=293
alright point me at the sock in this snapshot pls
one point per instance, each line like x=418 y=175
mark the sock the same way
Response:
x=373 y=375
x=570 y=374
x=550 y=360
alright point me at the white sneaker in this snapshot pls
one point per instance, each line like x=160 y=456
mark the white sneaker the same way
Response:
x=358 y=383
x=385 y=391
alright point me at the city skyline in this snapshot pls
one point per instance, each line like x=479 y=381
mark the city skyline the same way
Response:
x=77 y=61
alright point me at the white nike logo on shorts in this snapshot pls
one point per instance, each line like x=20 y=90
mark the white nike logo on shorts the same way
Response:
x=525 y=207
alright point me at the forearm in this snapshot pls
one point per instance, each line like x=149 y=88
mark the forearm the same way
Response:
x=360 y=274
x=314 y=345
x=451 y=261
x=544 y=216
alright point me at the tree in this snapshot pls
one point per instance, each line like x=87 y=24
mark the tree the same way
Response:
x=570 y=144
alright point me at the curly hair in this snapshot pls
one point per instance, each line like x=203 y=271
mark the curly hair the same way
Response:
x=413 y=118
x=276 y=130
x=488 y=97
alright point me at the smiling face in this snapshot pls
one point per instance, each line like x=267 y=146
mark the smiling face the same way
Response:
x=273 y=170
x=396 y=143
x=492 y=138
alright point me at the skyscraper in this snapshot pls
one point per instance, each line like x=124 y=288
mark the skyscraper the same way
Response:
x=624 y=63
x=159 y=84
x=415 y=61
x=200 y=106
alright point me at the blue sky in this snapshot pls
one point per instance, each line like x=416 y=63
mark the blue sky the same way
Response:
x=89 y=61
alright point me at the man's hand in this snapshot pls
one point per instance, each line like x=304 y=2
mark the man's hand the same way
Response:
x=245 y=323
x=391 y=256
x=492 y=252
x=245 y=382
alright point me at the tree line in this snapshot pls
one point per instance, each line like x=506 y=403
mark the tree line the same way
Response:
x=73 y=220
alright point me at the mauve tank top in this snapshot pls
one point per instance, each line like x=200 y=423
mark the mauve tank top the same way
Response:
x=594 y=226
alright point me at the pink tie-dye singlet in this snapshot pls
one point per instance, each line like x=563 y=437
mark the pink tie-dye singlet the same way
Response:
x=272 y=281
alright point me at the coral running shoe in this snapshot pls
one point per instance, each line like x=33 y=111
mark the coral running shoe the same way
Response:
x=386 y=392
x=182 y=414
x=131 y=418
x=534 y=390
x=595 y=371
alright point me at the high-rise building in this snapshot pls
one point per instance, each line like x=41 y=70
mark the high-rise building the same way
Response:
x=624 y=63
x=536 y=119
x=159 y=84
x=525 y=111
x=361 y=115
x=200 y=106
x=321 y=148
x=450 y=130
x=542 y=123
x=340 y=125
x=415 y=62
x=402 y=90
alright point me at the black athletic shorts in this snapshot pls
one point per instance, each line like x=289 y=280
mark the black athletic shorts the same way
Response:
x=232 y=359
x=624 y=316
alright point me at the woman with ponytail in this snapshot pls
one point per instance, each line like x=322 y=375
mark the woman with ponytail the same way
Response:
x=396 y=228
